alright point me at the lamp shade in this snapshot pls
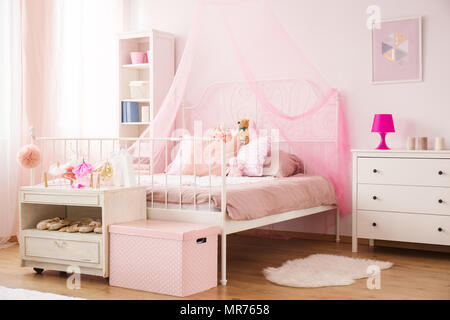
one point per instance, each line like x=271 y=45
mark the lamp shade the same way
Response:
x=383 y=123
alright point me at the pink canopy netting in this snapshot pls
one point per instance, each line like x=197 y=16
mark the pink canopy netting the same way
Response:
x=242 y=42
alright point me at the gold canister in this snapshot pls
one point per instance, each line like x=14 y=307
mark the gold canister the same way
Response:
x=422 y=143
x=411 y=143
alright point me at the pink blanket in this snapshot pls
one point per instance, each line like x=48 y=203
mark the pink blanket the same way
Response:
x=255 y=200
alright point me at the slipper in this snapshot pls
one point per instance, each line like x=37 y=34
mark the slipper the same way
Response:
x=98 y=228
x=44 y=224
x=58 y=225
x=75 y=226
x=90 y=227
x=70 y=227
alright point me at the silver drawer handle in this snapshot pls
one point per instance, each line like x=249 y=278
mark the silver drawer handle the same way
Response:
x=60 y=244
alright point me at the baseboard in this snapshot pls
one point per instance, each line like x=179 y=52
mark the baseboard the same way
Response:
x=277 y=234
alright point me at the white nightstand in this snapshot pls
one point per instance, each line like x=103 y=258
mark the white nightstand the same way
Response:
x=54 y=250
x=401 y=195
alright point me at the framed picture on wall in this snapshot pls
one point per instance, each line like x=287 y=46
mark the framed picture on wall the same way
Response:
x=397 y=51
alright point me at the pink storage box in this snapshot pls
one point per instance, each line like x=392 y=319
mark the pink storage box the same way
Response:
x=165 y=257
x=138 y=57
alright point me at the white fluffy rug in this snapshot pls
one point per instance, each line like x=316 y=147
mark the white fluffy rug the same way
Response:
x=23 y=294
x=321 y=270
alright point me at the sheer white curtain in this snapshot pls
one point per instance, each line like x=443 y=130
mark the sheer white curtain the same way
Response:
x=70 y=66
x=85 y=66
x=58 y=65
x=10 y=115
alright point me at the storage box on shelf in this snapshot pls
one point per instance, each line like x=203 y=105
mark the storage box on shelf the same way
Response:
x=139 y=89
x=145 y=83
x=165 y=257
x=54 y=250
x=401 y=195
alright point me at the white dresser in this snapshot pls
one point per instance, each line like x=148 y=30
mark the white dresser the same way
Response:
x=401 y=195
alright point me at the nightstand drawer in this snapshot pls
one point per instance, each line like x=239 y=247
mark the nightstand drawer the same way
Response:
x=62 y=249
x=419 y=228
x=403 y=171
x=66 y=199
x=431 y=200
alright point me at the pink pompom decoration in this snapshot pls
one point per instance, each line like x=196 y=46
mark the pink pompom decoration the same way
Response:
x=29 y=156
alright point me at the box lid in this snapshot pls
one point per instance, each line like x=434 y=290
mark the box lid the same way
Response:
x=164 y=229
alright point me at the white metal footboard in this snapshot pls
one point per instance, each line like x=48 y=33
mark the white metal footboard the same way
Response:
x=61 y=150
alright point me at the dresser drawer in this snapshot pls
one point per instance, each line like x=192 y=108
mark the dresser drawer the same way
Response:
x=404 y=171
x=70 y=250
x=66 y=199
x=431 y=200
x=420 y=228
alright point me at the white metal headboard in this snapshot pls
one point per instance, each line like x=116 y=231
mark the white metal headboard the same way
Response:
x=236 y=100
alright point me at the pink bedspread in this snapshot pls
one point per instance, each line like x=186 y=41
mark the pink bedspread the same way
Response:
x=256 y=200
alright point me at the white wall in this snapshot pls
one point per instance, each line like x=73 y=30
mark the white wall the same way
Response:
x=333 y=35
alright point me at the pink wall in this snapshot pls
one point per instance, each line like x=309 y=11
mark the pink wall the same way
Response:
x=334 y=36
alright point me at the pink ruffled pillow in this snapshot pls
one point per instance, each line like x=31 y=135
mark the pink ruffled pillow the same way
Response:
x=29 y=156
x=288 y=164
x=251 y=157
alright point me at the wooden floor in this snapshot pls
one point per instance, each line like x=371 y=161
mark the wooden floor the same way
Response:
x=415 y=274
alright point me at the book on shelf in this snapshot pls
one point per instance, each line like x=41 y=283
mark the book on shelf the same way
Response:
x=130 y=111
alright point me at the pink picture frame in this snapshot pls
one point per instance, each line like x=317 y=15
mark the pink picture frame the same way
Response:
x=397 y=51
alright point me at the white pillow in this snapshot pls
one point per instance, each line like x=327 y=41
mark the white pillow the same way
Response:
x=251 y=157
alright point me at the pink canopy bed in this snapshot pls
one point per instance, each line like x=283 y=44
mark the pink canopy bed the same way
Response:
x=238 y=63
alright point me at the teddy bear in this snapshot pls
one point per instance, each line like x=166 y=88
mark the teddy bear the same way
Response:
x=243 y=133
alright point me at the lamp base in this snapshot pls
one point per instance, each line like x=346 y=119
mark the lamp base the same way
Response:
x=383 y=145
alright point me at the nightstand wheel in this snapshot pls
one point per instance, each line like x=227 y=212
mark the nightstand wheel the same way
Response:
x=374 y=198
x=38 y=270
x=374 y=224
x=440 y=173
x=440 y=200
x=440 y=229
x=375 y=170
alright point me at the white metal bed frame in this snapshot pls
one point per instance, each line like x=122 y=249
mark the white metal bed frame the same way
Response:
x=210 y=217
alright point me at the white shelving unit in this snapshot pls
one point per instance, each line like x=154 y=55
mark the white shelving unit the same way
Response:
x=159 y=72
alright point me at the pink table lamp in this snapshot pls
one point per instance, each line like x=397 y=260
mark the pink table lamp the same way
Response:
x=383 y=123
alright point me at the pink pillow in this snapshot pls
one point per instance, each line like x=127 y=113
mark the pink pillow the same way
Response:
x=288 y=164
x=205 y=151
